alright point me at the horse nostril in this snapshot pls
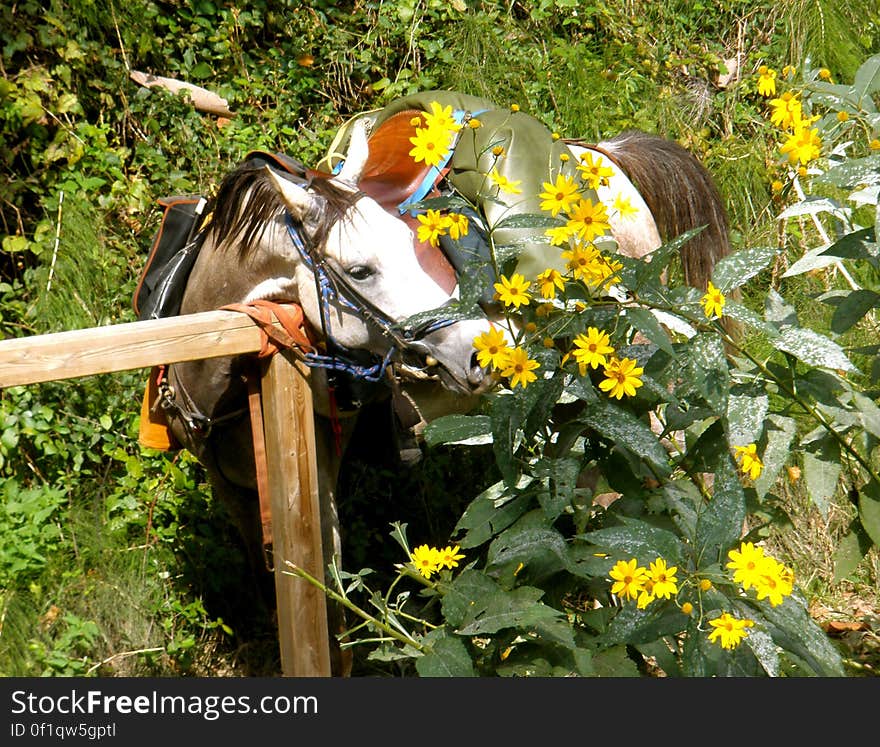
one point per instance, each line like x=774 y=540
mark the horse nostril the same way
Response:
x=476 y=373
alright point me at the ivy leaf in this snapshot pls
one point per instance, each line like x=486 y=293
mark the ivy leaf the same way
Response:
x=735 y=269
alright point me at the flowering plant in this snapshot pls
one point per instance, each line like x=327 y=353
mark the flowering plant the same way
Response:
x=640 y=443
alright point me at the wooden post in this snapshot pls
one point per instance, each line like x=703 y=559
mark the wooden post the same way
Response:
x=289 y=426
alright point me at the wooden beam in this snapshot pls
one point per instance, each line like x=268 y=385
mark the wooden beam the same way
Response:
x=289 y=426
x=120 y=347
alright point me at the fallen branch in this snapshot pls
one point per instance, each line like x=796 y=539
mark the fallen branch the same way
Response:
x=202 y=99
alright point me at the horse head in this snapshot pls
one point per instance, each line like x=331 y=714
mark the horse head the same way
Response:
x=361 y=280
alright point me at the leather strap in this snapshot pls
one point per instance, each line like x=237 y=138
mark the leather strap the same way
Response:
x=292 y=334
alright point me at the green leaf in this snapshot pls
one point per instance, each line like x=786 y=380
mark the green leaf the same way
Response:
x=638 y=539
x=645 y=321
x=720 y=521
x=867 y=77
x=525 y=545
x=869 y=510
x=634 y=626
x=856 y=245
x=780 y=432
x=489 y=514
x=794 y=630
x=735 y=269
x=821 y=473
x=852 y=308
x=528 y=220
x=812 y=348
x=448 y=657
x=852 y=172
x=625 y=430
x=561 y=478
x=744 y=315
x=709 y=370
x=507 y=416
x=201 y=71
x=850 y=550
x=459 y=429
x=745 y=417
x=492 y=608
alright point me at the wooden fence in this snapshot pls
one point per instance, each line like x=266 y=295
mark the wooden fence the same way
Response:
x=290 y=442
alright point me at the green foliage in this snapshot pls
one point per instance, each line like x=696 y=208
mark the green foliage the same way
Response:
x=115 y=560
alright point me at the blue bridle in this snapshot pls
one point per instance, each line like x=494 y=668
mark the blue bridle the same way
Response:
x=341 y=358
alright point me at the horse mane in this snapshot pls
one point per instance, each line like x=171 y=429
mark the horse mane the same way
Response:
x=680 y=194
x=247 y=202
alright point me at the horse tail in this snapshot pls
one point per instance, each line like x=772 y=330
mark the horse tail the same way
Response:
x=680 y=194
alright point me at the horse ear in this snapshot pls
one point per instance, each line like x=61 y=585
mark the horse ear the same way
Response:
x=358 y=152
x=298 y=200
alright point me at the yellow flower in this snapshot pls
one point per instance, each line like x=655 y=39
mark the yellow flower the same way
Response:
x=825 y=74
x=426 y=560
x=491 y=348
x=579 y=259
x=514 y=107
x=625 y=209
x=458 y=225
x=433 y=226
x=559 y=235
x=519 y=368
x=687 y=608
x=505 y=184
x=663 y=578
x=729 y=630
x=593 y=172
x=803 y=145
x=775 y=581
x=498 y=151
x=874 y=144
x=713 y=301
x=751 y=463
x=430 y=145
x=474 y=123
x=705 y=584
x=629 y=578
x=776 y=186
x=621 y=377
x=788 y=71
x=559 y=196
x=513 y=292
x=646 y=596
x=601 y=271
x=549 y=281
x=589 y=219
x=592 y=349
x=786 y=111
x=449 y=557
x=842 y=116
x=766 y=82
x=441 y=118
x=746 y=563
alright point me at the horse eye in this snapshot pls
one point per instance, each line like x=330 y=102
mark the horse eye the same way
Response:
x=360 y=272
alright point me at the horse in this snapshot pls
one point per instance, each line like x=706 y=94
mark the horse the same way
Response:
x=337 y=246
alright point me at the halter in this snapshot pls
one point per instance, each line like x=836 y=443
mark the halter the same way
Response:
x=329 y=282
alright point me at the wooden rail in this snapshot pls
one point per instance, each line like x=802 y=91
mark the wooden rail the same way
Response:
x=288 y=425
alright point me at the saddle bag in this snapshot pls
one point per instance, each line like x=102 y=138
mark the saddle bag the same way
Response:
x=174 y=250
